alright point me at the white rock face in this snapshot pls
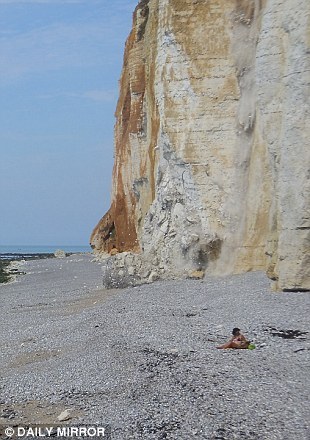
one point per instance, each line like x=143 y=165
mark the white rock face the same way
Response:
x=283 y=66
x=212 y=151
x=59 y=253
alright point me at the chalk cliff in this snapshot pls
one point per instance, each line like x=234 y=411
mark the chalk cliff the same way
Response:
x=212 y=153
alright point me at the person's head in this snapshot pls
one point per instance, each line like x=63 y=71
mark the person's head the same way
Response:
x=236 y=331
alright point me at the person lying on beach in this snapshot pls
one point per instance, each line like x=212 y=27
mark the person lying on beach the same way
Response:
x=236 y=341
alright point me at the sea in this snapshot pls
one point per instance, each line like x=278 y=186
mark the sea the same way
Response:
x=34 y=251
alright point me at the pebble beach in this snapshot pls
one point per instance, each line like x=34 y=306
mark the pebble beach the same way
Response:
x=143 y=360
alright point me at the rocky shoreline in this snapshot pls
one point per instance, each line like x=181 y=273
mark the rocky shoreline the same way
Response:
x=11 y=262
x=4 y=275
x=143 y=360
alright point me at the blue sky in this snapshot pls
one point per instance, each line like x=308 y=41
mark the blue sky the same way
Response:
x=60 y=62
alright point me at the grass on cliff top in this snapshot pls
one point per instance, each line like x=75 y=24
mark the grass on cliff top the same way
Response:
x=4 y=275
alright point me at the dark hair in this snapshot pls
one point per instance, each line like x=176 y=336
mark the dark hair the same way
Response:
x=235 y=331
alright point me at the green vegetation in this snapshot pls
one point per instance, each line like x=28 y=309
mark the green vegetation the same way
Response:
x=4 y=275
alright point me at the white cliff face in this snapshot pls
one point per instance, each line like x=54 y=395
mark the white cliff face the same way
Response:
x=215 y=174
x=283 y=74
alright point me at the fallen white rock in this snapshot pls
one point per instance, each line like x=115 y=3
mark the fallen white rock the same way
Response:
x=65 y=415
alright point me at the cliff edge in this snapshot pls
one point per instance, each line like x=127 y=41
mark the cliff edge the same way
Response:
x=212 y=153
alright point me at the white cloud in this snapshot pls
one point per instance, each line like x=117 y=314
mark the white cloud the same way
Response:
x=9 y=2
x=87 y=41
x=99 y=95
x=53 y=48
x=93 y=95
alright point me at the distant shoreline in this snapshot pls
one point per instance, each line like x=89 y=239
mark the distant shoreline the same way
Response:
x=10 y=256
x=8 y=270
x=42 y=249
